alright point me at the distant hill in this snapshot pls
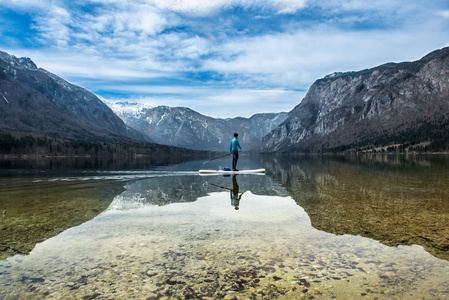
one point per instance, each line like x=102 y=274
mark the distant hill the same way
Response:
x=183 y=127
x=36 y=101
x=392 y=107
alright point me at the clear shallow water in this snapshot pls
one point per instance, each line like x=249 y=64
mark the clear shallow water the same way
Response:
x=169 y=233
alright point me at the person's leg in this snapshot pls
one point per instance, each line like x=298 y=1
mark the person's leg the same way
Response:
x=235 y=158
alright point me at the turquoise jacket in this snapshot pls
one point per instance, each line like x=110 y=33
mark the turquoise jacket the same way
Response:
x=235 y=145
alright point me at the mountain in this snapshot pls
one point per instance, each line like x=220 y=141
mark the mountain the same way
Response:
x=183 y=127
x=36 y=101
x=403 y=106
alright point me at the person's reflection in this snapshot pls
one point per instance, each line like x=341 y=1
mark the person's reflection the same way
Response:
x=235 y=197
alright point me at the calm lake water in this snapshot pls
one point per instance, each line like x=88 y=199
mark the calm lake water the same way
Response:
x=371 y=227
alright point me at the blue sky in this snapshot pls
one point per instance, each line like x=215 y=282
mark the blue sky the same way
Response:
x=221 y=58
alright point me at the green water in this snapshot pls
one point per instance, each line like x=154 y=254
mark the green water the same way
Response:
x=312 y=228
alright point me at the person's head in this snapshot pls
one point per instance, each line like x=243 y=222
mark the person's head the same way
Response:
x=236 y=135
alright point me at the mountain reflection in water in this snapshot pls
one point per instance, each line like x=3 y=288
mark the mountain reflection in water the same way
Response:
x=397 y=200
x=299 y=233
x=162 y=191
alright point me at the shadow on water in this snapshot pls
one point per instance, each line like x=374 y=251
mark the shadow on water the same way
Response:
x=397 y=200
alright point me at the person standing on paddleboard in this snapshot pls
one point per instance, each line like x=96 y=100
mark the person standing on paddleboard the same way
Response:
x=234 y=149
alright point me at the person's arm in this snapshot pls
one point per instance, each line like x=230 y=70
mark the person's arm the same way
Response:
x=230 y=148
x=238 y=145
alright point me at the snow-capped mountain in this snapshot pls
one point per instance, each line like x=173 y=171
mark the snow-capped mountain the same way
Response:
x=183 y=127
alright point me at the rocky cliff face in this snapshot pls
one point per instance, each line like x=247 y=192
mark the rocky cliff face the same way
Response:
x=37 y=101
x=401 y=104
x=183 y=127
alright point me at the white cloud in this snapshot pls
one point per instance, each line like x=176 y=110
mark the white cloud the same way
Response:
x=26 y=4
x=201 y=7
x=444 y=13
x=295 y=59
x=335 y=6
x=54 y=26
x=140 y=19
x=188 y=47
x=120 y=45
x=288 y=6
x=191 y=6
x=111 y=27
x=219 y=102
x=83 y=69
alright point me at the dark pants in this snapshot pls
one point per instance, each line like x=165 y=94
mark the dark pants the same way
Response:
x=235 y=158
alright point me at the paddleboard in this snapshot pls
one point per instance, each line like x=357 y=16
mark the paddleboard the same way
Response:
x=222 y=172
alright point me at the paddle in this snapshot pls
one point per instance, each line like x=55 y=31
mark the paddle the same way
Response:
x=216 y=158
x=225 y=188
x=219 y=157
